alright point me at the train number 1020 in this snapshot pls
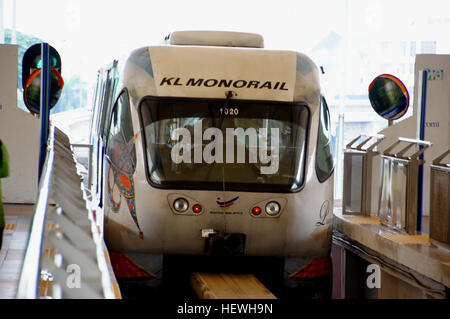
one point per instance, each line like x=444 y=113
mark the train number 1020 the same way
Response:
x=229 y=111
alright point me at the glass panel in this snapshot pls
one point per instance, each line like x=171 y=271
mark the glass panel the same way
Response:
x=392 y=210
x=384 y=210
x=440 y=205
x=399 y=185
x=353 y=181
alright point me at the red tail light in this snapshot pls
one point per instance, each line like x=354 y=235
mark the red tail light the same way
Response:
x=317 y=267
x=256 y=211
x=196 y=208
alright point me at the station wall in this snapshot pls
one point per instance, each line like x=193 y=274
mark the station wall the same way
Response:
x=19 y=130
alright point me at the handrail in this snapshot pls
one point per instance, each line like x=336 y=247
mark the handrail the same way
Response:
x=74 y=242
x=423 y=146
x=438 y=160
x=377 y=137
x=357 y=195
x=31 y=264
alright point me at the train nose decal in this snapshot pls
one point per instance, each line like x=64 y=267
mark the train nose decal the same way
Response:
x=226 y=204
x=121 y=163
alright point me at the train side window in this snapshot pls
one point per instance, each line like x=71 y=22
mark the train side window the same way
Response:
x=120 y=149
x=324 y=155
x=95 y=107
x=104 y=105
x=111 y=86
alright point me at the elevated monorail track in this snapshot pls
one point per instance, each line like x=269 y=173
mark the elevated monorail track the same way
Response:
x=228 y=286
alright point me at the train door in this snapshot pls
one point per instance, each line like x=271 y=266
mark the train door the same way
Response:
x=120 y=160
x=106 y=90
x=93 y=132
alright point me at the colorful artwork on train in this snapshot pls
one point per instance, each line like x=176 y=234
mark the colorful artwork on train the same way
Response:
x=122 y=167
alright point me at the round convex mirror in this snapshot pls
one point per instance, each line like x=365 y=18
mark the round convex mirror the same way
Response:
x=32 y=90
x=388 y=97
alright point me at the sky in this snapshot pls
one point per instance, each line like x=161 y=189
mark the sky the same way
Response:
x=90 y=34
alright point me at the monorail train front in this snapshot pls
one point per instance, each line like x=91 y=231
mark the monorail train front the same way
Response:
x=217 y=150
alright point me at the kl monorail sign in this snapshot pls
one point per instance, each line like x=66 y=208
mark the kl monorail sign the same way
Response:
x=209 y=83
x=196 y=72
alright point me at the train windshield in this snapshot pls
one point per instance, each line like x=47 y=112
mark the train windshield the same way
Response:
x=224 y=144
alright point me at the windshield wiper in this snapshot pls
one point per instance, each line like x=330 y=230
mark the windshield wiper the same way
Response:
x=229 y=95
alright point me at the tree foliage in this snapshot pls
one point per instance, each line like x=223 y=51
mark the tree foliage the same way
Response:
x=23 y=42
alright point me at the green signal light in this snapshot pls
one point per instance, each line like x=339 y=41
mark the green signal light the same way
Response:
x=39 y=64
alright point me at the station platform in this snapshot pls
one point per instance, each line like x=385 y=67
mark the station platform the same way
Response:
x=412 y=266
x=15 y=236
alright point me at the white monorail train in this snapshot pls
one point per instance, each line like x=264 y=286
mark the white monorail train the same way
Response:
x=210 y=144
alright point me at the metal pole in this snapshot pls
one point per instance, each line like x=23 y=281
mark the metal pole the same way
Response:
x=421 y=132
x=339 y=173
x=45 y=105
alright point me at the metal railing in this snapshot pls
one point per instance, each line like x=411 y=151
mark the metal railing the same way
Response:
x=358 y=158
x=398 y=205
x=440 y=199
x=66 y=256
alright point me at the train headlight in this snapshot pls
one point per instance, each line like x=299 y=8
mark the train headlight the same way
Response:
x=272 y=208
x=180 y=205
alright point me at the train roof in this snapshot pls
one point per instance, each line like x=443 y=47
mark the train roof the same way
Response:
x=207 y=64
x=216 y=38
